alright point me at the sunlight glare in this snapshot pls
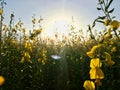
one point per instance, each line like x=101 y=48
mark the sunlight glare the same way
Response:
x=57 y=24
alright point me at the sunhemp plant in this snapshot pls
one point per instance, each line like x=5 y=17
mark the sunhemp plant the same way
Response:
x=29 y=42
x=100 y=54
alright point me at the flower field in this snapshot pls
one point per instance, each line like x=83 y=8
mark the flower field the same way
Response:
x=28 y=62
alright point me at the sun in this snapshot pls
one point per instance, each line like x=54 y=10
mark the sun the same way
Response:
x=57 y=24
x=60 y=24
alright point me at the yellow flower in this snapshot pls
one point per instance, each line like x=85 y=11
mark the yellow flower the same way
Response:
x=43 y=62
x=92 y=51
x=39 y=59
x=1 y=11
x=114 y=49
x=108 y=60
x=114 y=25
x=108 y=57
x=12 y=41
x=90 y=54
x=24 y=54
x=30 y=49
x=28 y=55
x=94 y=48
x=27 y=45
x=89 y=85
x=108 y=34
x=106 y=22
x=96 y=73
x=95 y=63
x=23 y=30
x=29 y=61
x=110 y=63
x=22 y=60
x=2 y=80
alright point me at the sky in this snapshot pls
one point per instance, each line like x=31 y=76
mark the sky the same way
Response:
x=57 y=14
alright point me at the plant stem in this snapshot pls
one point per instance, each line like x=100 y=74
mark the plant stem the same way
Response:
x=104 y=11
x=116 y=35
x=1 y=19
x=0 y=36
x=97 y=88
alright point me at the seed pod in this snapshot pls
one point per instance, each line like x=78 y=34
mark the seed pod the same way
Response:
x=1 y=11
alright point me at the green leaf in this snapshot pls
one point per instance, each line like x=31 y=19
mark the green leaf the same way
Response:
x=98 y=8
x=94 y=24
x=106 y=8
x=92 y=36
x=89 y=28
x=100 y=21
x=101 y=17
x=111 y=10
x=113 y=17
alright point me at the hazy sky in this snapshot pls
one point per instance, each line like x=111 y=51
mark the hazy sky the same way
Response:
x=83 y=11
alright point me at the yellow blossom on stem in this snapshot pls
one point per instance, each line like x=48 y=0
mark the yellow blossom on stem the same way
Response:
x=108 y=34
x=94 y=48
x=30 y=49
x=114 y=25
x=92 y=51
x=2 y=80
x=29 y=61
x=22 y=60
x=108 y=60
x=110 y=63
x=90 y=54
x=95 y=71
x=23 y=30
x=108 y=57
x=106 y=22
x=27 y=55
x=43 y=62
x=27 y=44
x=95 y=63
x=89 y=85
x=114 y=49
x=39 y=60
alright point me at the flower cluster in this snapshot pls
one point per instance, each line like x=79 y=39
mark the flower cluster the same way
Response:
x=26 y=52
x=96 y=74
x=43 y=58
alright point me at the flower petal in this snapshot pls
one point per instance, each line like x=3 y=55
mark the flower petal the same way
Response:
x=89 y=85
x=96 y=73
x=95 y=63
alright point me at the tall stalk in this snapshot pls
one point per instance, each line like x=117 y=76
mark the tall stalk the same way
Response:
x=1 y=20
